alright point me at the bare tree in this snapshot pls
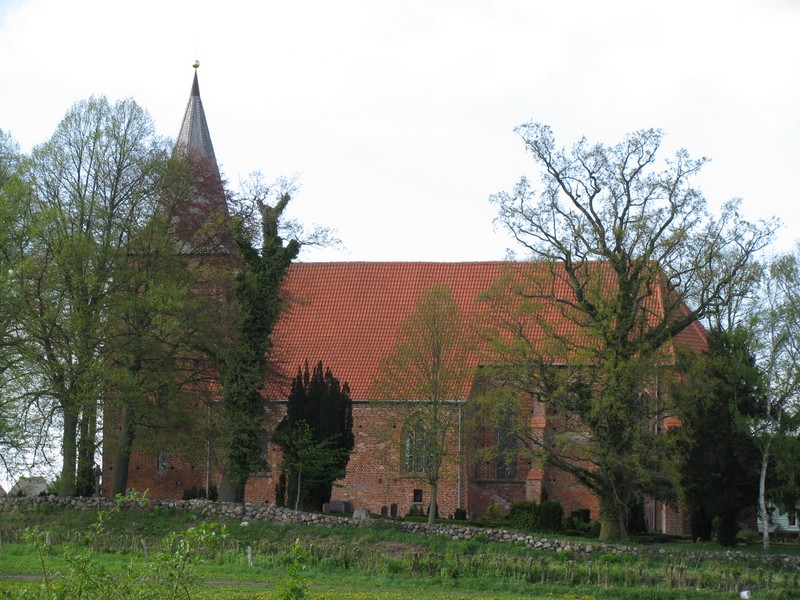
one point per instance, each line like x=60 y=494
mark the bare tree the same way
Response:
x=428 y=370
x=619 y=240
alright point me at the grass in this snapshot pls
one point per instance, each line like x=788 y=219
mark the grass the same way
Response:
x=375 y=562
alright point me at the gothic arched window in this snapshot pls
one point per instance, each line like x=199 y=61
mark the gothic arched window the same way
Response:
x=161 y=462
x=416 y=449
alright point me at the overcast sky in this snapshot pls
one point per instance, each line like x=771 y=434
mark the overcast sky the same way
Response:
x=398 y=117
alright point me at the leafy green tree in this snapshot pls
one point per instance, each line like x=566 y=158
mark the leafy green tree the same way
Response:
x=428 y=369
x=309 y=464
x=621 y=239
x=16 y=422
x=244 y=366
x=716 y=397
x=777 y=329
x=321 y=403
x=92 y=182
x=153 y=345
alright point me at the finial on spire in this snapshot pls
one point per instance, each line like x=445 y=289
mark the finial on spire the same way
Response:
x=196 y=63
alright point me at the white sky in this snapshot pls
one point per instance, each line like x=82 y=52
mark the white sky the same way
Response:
x=398 y=116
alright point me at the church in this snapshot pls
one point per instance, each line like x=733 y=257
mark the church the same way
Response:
x=347 y=315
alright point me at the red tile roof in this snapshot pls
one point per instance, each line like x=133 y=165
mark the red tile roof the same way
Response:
x=348 y=314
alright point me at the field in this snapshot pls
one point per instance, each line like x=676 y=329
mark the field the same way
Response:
x=57 y=552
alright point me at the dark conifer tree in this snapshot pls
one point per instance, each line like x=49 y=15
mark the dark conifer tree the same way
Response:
x=716 y=399
x=319 y=400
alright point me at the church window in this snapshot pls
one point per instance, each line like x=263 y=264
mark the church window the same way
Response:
x=416 y=450
x=161 y=462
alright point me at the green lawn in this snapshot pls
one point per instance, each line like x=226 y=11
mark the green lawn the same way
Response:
x=343 y=562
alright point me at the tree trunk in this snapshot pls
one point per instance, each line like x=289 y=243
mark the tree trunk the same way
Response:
x=122 y=457
x=69 y=449
x=433 y=507
x=762 y=500
x=84 y=481
x=613 y=521
x=299 y=481
x=230 y=491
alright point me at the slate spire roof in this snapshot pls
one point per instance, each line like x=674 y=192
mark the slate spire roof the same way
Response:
x=200 y=222
x=194 y=138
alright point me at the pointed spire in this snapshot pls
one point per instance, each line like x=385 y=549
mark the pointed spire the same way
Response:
x=200 y=222
x=194 y=139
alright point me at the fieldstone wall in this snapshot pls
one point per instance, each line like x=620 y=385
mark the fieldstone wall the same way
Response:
x=252 y=511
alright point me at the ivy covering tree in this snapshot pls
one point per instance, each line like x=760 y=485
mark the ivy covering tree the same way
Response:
x=621 y=242
x=244 y=367
x=316 y=436
x=717 y=396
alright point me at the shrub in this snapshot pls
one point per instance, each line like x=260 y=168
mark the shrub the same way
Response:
x=53 y=487
x=200 y=492
x=295 y=586
x=460 y=514
x=169 y=575
x=524 y=515
x=280 y=490
x=594 y=529
x=637 y=525
x=582 y=515
x=551 y=516
x=493 y=513
x=726 y=528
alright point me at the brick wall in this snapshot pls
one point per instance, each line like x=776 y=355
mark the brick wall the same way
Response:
x=374 y=478
x=660 y=517
x=374 y=475
x=168 y=482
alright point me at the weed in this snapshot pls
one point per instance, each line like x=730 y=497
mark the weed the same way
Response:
x=295 y=587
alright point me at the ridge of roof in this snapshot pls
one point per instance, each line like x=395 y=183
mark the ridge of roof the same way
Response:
x=195 y=86
x=409 y=262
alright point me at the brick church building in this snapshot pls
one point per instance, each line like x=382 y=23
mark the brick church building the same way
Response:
x=347 y=315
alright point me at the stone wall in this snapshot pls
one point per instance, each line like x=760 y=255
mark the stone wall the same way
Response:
x=250 y=512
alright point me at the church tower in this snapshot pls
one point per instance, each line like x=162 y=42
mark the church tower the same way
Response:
x=194 y=139
x=199 y=215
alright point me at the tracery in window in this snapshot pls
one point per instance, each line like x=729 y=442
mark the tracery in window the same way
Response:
x=161 y=462
x=416 y=447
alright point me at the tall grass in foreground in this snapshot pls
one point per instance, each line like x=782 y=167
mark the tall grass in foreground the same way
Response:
x=374 y=562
